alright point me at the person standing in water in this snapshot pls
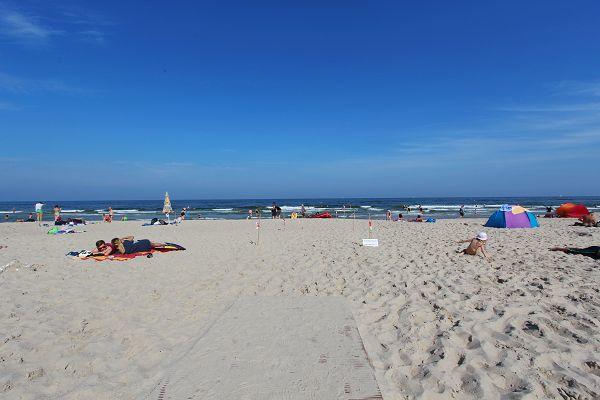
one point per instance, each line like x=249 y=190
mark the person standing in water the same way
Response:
x=39 y=212
x=57 y=211
x=461 y=211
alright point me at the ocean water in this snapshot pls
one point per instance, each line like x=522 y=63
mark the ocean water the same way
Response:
x=375 y=208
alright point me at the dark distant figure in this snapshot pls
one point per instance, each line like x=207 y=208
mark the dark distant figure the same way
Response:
x=461 y=211
x=273 y=210
x=548 y=209
x=400 y=217
x=6 y=217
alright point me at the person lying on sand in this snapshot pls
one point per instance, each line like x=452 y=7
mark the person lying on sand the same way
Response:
x=127 y=245
x=587 y=220
x=475 y=244
x=592 y=251
x=103 y=249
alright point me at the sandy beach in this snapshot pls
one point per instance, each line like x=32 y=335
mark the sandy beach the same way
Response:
x=436 y=324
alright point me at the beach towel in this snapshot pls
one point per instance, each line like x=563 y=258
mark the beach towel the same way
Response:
x=127 y=257
x=56 y=231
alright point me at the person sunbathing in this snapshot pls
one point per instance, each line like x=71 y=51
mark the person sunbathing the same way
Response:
x=592 y=251
x=475 y=244
x=127 y=245
x=587 y=220
x=103 y=249
x=418 y=219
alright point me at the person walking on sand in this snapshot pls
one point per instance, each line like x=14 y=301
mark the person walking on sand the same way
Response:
x=475 y=244
x=39 y=212
x=249 y=214
x=303 y=211
x=388 y=215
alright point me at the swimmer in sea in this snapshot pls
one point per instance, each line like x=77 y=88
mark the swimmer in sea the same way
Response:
x=475 y=244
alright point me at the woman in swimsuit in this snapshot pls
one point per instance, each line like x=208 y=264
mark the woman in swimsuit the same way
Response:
x=127 y=245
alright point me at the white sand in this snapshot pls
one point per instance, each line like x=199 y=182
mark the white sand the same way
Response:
x=435 y=324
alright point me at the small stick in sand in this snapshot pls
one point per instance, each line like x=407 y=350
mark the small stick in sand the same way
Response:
x=258 y=230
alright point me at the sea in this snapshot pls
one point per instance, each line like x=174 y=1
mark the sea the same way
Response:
x=374 y=208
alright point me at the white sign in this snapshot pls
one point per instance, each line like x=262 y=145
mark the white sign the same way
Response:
x=371 y=242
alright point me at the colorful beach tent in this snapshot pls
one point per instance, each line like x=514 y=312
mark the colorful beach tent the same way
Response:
x=512 y=217
x=570 y=210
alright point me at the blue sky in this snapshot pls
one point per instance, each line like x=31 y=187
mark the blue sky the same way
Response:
x=127 y=99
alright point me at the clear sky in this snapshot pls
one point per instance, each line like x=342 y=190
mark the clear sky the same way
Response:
x=128 y=99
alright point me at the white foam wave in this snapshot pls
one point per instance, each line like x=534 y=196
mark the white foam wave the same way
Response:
x=71 y=211
x=223 y=209
x=11 y=212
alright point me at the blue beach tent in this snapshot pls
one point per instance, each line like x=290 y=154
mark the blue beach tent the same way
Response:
x=512 y=217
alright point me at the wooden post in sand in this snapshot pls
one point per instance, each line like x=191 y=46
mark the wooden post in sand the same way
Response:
x=258 y=230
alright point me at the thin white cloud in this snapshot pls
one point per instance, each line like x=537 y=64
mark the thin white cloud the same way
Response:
x=589 y=88
x=40 y=28
x=93 y=36
x=5 y=106
x=21 y=27
x=18 y=85
x=553 y=108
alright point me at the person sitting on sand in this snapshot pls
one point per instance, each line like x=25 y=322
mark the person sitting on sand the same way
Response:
x=180 y=219
x=475 y=244
x=592 y=251
x=418 y=219
x=127 y=245
x=103 y=249
x=587 y=220
x=400 y=217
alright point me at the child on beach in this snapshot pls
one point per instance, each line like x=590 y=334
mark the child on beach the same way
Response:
x=475 y=244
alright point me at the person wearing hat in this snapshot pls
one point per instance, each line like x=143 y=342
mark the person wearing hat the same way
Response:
x=475 y=244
